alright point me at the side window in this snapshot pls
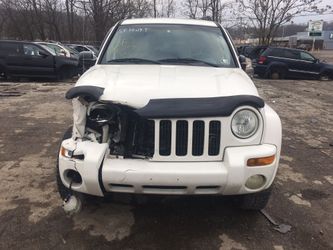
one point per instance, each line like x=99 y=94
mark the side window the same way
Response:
x=55 y=48
x=32 y=50
x=276 y=52
x=307 y=57
x=10 y=49
x=292 y=54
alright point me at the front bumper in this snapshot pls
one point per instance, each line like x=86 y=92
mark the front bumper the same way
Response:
x=100 y=171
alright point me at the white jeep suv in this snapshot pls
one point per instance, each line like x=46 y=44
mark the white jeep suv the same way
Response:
x=167 y=109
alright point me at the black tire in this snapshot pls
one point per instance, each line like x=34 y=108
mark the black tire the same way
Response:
x=276 y=74
x=61 y=75
x=3 y=74
x=325 y=77
x=62 y=189
x=255 y=201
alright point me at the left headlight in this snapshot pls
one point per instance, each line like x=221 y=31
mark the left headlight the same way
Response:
x=245 y=123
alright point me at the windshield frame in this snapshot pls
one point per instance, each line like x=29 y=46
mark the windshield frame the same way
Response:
x=110 y=36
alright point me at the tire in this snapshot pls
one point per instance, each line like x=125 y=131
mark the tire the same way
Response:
x=64 y=192
x=61 y=75
x=276 y=74
x=255 y=201
x=3 y=74
x=324 y=77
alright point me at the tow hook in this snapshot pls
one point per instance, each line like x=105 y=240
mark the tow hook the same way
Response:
x=72 y=204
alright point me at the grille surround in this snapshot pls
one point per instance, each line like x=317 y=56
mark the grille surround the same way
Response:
x=227 y=139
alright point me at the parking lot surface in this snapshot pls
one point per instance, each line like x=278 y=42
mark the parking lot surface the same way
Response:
x=33 y=118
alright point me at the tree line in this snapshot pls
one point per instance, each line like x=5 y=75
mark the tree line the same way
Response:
x=89 y=20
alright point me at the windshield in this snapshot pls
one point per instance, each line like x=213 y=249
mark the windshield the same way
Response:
x=168 y=44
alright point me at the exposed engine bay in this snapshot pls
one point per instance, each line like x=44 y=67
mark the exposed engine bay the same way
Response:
x=127 y=134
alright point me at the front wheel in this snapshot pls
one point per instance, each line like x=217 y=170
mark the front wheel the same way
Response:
x=255 y=201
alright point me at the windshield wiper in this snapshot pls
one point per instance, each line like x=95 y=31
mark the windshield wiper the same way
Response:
x=190 y=61
x=133 y=60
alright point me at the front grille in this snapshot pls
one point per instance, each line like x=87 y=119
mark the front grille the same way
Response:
x=187 y=139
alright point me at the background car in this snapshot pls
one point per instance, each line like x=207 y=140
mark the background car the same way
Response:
x=28 y=59
x=61 y=49
x=84 y=48
x=279 y=63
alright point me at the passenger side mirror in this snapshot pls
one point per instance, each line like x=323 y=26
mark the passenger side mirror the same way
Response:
x=242 y=61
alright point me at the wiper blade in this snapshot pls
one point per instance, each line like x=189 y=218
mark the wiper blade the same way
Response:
x=133 y=60
x=188 y=61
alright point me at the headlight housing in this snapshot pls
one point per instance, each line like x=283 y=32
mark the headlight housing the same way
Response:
x=245 y=123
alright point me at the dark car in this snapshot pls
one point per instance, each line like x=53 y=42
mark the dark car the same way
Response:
x=279 y=63
x=27 y=59
x=256 y=51
x=244 y=50
x=86 y=61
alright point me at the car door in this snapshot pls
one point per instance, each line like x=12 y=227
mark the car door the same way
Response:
x=37 y=61
x=13 y=57
x=310 y=64
x=295 y=65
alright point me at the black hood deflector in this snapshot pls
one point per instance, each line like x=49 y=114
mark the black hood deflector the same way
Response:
x=89 y=93
x=197 y=107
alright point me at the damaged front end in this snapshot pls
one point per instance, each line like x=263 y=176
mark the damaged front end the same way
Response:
x=127 y=134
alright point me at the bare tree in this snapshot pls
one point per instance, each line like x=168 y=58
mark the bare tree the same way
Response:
x=266 y=16
x=191 y=8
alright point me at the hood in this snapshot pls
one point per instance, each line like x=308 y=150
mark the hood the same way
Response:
x=135 y=85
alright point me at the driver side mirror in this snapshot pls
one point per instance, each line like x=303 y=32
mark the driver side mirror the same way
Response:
x=316 y=60
x=43 y=54
x=242 y=61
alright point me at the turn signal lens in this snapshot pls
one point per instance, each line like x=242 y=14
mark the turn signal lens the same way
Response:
x=262 y=161
x=66 y=153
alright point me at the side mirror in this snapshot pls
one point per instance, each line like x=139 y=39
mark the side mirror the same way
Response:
x=43 y=54
x=316 y=60
x=242 y=61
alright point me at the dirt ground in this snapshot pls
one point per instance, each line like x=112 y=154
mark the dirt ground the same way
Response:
x=33 y=118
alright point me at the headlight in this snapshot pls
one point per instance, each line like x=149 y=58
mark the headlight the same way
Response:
x=100 y=113
x=244 y=124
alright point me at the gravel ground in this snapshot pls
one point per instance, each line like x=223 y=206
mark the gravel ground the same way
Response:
x=33 y=118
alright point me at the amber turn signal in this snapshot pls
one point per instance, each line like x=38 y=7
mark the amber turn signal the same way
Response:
x=262 y=161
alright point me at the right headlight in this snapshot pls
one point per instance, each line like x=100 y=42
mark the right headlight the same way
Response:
x=245 y=123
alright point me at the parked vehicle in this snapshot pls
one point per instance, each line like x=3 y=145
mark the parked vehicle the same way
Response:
x=304 y=46
x=256 y=51
x=86 y=61
x=85 y=48
x=27 y=59
x=61 y=49
x=279 y=63
x=244 y=50
x=168 y=109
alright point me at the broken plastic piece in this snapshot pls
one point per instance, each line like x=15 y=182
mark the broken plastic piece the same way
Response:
x=282 y=228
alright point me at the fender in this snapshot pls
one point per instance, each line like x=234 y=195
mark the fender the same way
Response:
x=89 y=93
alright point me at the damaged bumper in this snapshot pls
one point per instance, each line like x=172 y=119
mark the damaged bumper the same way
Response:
x=100 y=172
